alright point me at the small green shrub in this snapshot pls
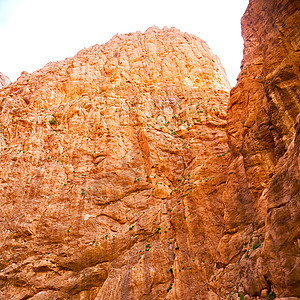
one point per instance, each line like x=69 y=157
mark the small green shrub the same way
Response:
x=170 y=287
x=53 y=121
x=157 y=230
x=272 y=295
x=255 y=245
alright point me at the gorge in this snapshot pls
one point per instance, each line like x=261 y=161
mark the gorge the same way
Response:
x=134 y=171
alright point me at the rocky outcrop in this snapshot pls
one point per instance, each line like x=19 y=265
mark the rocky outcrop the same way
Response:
x=112 y=169
x=259 y=252
x=4 y=80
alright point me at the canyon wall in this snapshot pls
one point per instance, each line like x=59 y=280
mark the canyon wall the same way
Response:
x=259 y=252
x=127 y=172
x=113 y=165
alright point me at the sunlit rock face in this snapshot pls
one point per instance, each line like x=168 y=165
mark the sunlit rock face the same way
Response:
x=4 y=80
x=126 y=174
x=112 y=168
x=259 y=252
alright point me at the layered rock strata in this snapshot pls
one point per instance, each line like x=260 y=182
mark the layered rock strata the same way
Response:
x=259 y=252
x=112 y=169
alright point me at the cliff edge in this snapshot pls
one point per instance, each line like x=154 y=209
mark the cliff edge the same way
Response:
x=259 y=252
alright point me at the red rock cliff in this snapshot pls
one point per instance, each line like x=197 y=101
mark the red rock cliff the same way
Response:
x=259 y=252
x=113 y=164
x=117 y=180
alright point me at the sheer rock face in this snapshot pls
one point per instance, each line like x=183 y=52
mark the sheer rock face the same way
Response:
x=4 y=80
x=112 y=169
x=116 y=180
x=260 y=247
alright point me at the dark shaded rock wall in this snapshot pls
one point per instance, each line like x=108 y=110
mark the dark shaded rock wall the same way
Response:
x=260 y=247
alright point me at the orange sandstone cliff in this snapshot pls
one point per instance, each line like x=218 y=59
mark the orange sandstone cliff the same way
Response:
x=259 y=252
x=126 y=172
x=113 y=165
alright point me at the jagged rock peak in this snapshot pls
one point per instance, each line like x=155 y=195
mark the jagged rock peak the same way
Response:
x=4 y=80
x=156 y=57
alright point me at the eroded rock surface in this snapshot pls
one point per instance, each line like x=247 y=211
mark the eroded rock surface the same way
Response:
x=259 y=253
x=117 y=180
x=112 y=169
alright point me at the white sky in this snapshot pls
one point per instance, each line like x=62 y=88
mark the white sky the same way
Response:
x=34 y=32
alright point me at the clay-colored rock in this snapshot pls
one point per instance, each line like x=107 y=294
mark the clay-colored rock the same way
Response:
x=260 y=247
x=264 y=293
x=114 y=176
x=112 y=169
x=4 y=80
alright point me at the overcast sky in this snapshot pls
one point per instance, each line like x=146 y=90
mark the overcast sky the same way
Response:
x=34 y=32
